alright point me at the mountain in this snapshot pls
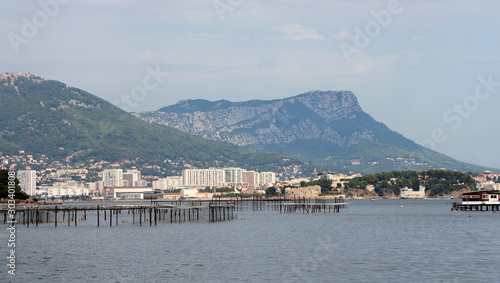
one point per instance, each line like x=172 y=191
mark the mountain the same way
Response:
x=328 y=128
x=68 y=124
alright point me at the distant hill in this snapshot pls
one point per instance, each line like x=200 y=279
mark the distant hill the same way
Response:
x=69 y=124
x=328 y=128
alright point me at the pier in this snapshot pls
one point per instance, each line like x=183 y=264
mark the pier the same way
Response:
x=311 y=207
x=258 y=203
x=162 y=211
x=117 y=214
x=475 y=207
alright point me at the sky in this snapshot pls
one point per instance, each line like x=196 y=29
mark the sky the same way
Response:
x=428 y=69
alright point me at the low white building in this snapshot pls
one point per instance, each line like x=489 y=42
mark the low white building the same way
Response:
x=168 y=183
x=303 y=192
x=124 y=192
x=65 y=190
x=410 y=193
x=189 y=193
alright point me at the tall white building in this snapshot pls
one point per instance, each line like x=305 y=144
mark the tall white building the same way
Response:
x=27 y=181
x=211 y=177
x=131 y=178
x=214 y=177
x=112 y=178
x=251 y=178
x=267 y=178
x=233 y=175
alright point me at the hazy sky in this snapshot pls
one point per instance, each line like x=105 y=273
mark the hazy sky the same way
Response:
x=428 y=69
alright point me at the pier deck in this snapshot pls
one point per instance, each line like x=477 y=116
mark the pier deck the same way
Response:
x=68 y=214
x=169 y=211
x=475 y=207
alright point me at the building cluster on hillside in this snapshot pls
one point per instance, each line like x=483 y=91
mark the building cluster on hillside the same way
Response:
x=129 y=184
x=488 y=182
x=53 y=180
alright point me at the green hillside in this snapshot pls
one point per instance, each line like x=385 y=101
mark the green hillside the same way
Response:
x=67 y=123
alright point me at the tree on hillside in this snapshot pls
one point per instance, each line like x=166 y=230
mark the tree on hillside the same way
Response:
x=272 y=192
x=437 y=182
x=4 y=186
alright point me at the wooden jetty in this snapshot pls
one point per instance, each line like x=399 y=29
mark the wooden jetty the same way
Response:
x=170 y=211
x=259 y=203
x=136 y=214
x=475 y=207
x=312 y=207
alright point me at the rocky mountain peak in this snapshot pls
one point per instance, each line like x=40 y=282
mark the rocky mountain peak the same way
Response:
x=331 y=105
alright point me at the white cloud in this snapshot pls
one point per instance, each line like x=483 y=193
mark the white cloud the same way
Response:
x=299 y=32
x=342 y=34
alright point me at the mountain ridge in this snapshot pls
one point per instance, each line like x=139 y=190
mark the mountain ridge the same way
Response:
x=324 y=127
x=71 y=125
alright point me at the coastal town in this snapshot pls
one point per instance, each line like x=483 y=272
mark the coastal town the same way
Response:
x=110 y=181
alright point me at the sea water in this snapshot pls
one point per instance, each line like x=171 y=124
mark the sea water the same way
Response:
x=370 y=241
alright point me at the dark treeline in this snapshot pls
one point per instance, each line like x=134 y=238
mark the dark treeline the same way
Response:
x=438 y=182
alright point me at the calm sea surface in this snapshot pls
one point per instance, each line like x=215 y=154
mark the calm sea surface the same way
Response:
x=379 y=241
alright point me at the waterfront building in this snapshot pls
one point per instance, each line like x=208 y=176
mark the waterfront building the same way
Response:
x=189 y=193
x=125 y=192
x=410 y=193
x=307 y=192
x=481 y=197
x=112 y=178
x=27 y=181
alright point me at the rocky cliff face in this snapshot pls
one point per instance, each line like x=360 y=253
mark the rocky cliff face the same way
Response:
x=319 y=115
x=322 y=127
